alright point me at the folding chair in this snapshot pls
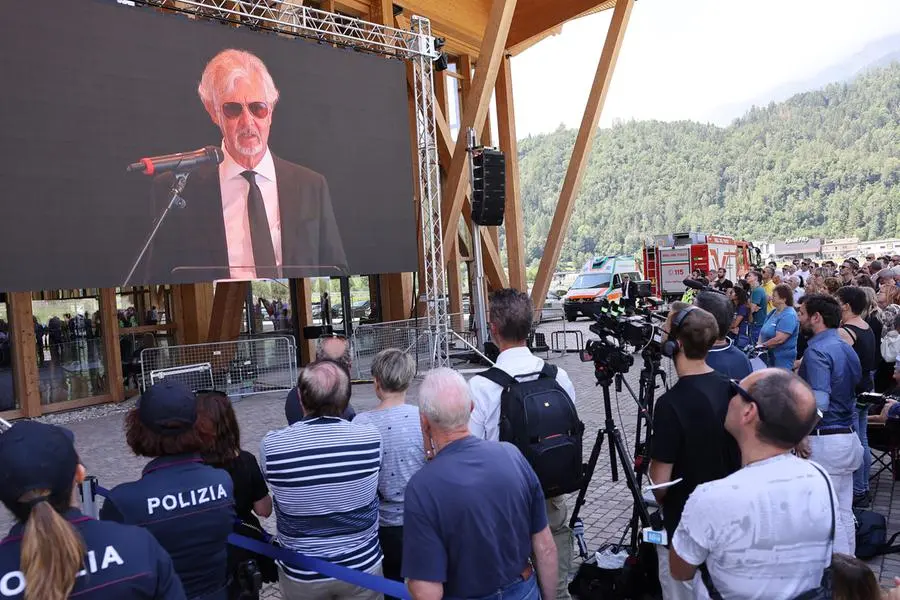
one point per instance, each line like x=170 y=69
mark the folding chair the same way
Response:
x=884 y=444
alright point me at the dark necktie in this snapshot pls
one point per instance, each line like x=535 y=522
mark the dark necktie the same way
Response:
x=260 y=233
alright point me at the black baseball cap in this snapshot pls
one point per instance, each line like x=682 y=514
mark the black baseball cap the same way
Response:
x=36 y=456
x=168 y=407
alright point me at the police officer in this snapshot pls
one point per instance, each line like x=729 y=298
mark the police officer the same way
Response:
x=187 y=505
x=53 y=549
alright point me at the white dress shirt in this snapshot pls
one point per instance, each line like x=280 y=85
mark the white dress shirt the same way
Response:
x=234 y=207
x=485 y=420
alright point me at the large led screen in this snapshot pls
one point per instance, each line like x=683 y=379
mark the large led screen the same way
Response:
x=304 y=165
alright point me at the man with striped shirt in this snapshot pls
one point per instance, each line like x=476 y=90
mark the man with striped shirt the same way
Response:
x=323 y=473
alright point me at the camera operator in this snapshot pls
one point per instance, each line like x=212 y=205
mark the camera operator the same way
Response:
x=767 y=530
x=723 y=356
x=689 y=438
x=511 y=315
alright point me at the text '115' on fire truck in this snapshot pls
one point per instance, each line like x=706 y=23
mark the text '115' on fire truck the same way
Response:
x=670 y=259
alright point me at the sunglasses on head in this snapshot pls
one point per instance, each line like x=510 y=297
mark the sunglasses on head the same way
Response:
x=233 y=110
x=737 y=390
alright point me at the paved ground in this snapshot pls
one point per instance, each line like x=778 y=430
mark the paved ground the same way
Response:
x=608 y=505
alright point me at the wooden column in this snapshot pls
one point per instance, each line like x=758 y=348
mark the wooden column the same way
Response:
x=24 y=355
x=396 y=296
x=193 y=307
x=303 y=294
x=227 y=311
x=109 y=328
x=513 y=219
x=575 y=171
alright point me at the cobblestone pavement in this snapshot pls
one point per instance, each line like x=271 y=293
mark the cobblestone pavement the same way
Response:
x=608 y=505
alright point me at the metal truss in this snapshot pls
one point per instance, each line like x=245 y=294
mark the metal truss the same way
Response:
x=292 y=18
x=416 y=46
x=430 y=202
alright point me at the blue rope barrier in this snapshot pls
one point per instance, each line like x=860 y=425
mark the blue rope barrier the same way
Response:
x=308 y=563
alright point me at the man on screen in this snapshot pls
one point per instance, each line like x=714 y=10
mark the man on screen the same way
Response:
x=254 y=215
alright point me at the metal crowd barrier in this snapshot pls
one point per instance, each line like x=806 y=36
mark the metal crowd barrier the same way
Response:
x=411 y=336
x=239 y=368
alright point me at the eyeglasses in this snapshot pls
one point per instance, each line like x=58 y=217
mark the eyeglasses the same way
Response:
x=233 y=110
x=736 y=389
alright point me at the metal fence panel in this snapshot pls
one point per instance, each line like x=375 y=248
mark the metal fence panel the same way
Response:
x=238 y=368
x=412 y=336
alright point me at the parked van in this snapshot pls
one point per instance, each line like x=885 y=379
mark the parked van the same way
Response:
x=601 y=280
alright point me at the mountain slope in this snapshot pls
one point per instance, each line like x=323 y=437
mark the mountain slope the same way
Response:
x=822 y=163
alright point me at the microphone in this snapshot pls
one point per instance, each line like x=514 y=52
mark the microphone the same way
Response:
x=181 y=162
x=696 y=285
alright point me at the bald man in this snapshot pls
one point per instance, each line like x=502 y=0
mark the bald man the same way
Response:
x=474 y=515
x=766 y=531
x=330 y=348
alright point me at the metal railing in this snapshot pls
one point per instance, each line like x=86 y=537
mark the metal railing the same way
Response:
x=238 y=368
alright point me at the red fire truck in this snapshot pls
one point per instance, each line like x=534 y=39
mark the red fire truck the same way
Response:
x=669 y=259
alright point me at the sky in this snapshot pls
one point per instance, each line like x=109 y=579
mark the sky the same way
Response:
x=691 y=59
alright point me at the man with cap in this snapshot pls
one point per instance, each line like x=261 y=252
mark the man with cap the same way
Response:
x=55 y=551
x=187 y=505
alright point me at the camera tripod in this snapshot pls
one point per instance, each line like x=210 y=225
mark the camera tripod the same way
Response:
x=633 y=469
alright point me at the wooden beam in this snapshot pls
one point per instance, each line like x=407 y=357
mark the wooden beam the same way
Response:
x=462 y=20
x=24 y=358
x=475 y=111
x=581 y=152
x=396 y=296
x=109 y=329
x=227 y=311
x=522 y=46
x=513 y=219
x=534 y=17
x=193 y=306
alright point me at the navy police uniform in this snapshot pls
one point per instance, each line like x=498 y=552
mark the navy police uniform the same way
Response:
x=187 y=505
x=189 y=508
x=120 y=562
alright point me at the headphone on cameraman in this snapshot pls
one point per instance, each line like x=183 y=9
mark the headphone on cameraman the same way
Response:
x=671 y=347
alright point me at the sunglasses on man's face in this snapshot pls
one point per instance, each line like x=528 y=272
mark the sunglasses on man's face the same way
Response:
x=737 y=390
x=233 y=110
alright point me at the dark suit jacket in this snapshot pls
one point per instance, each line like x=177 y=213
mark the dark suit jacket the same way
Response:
x=191 y=244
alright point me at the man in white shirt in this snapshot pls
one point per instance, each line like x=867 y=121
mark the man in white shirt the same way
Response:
x=803 y=273
x=511 y=315
x=255 y=215
x=766 y=531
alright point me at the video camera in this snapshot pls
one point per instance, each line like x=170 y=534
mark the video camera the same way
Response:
x=621 y=333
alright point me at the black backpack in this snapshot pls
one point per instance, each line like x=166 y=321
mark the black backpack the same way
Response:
x=540 y=419
x=871 y=535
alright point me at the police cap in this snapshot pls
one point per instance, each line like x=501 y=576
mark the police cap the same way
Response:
x=36 y=456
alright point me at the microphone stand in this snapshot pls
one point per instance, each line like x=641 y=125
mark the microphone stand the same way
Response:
x=174 y=200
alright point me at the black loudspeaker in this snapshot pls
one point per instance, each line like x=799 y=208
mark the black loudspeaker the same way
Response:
x=488 y=187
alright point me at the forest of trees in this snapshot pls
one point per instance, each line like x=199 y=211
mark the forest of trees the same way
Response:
x=824 y=163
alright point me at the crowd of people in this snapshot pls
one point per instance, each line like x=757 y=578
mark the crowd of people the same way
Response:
x=422 y=491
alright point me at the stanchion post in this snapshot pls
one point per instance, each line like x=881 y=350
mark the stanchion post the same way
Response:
x=87 y=489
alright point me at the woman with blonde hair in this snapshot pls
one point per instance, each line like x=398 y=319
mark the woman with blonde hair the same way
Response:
x=54 y=552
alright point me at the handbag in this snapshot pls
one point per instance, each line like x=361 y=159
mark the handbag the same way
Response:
x=823 y=591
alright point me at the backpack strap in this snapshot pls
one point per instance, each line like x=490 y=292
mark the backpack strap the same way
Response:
x=499 y=376
x=708 y=582
x=549 y=371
